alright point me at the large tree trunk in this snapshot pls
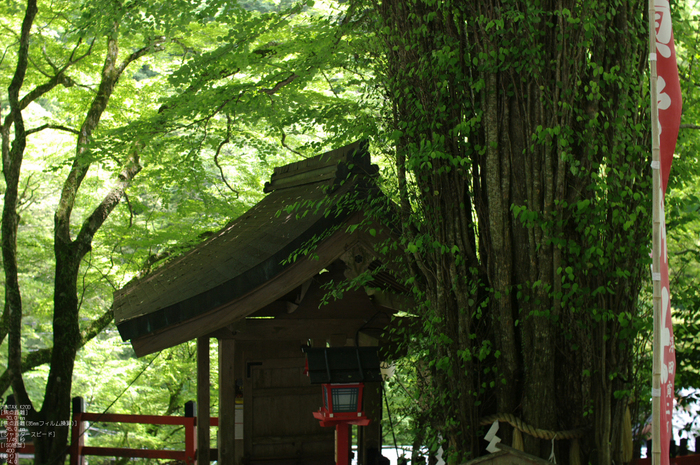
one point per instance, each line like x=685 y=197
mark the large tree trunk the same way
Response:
x=518 y=131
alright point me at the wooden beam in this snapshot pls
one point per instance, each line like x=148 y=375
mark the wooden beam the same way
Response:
x=302 y=328
x=227 y=402
x=338 y=339
x=228 y=332
x=292 y=306
x=393 y=301
x=203 y=401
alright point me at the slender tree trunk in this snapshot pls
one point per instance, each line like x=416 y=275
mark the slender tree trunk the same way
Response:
x=12 y=165
x=52 y=438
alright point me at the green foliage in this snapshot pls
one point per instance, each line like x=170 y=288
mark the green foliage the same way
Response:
x=219 y=93
x=512 y=139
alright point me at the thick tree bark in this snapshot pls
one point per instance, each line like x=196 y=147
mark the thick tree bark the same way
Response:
x=497 y=181
x=502 y=115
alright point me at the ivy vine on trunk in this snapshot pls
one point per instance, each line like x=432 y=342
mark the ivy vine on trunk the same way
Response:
x=520 y=133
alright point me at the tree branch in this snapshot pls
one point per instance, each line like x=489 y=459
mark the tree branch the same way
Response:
x=689 y=126
x=284 y=144
x=23 y=202
x=80 y=165
x=48 y=60
x=29 y=361
x=110 y=201
x=280 y=85
x=330 y=86
x=157 y=45
x=38 y=68
x=110 y=76
x=57 y=127
x=218 y=151
x=131 y=210
x=4 y=54
x=43 y=356
x=59 y=78
x=96 y=326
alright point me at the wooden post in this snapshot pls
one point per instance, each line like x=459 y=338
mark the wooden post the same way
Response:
x=371 y=437
x=370 y=441
x=227 y=402
x=656 y=244
x=190 y=432
x=239 y=375
x=77 y=432
x=203 y=401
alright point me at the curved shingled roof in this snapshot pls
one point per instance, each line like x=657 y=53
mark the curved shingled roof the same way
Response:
x=251 y=250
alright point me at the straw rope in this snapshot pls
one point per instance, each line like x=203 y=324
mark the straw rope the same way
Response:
x=520 y=425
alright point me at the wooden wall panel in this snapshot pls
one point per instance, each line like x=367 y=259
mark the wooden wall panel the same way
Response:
x=282 y=400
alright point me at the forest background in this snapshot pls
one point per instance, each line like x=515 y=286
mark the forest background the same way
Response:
x=132 y=130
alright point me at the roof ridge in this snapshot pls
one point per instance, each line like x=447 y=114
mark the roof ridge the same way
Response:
x=335 y=165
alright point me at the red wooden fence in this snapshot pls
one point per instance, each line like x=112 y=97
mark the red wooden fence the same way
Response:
x=78 y=449
x=13 y=447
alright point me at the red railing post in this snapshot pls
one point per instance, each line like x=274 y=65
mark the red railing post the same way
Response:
x=77 y=432
x=191 y=432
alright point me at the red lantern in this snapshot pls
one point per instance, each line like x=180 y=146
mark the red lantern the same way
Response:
x=340 y=371
x=342 y=403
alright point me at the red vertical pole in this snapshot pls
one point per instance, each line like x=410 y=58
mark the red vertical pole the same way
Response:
x=77 y=439
x=191 y=432
x=342 y=445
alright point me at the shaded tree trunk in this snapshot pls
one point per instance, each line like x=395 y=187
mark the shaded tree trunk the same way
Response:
x=52 y=437
x=513 y=160
x=13 y=155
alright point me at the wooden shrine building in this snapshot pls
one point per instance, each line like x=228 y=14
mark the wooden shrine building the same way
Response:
x=243 y=287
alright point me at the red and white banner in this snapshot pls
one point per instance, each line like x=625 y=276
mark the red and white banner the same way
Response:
x=668 y=88
x=669 y=104
x=668 y=359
